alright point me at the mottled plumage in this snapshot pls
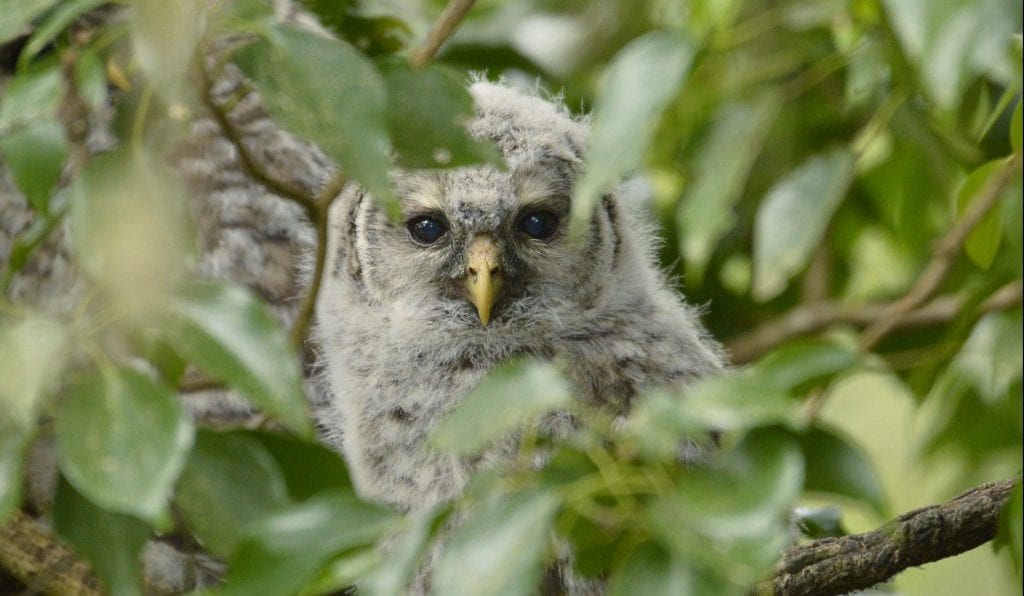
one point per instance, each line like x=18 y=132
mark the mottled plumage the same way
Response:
x=403 y=342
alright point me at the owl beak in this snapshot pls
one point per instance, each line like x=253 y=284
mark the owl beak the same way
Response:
x=483 y=275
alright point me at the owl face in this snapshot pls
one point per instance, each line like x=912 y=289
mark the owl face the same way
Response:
x=489 y=248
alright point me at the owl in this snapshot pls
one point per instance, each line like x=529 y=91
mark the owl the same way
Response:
x=482 y=268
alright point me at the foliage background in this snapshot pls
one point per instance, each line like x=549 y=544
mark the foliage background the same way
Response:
x=802 y=158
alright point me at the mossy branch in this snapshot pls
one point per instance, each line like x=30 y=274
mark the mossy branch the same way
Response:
x=842 y=565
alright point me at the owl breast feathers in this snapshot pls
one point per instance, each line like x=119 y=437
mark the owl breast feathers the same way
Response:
x=414 y=313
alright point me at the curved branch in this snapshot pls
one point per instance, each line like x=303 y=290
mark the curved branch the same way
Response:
x=815 y=317
x=842 y=565
x=945 y=253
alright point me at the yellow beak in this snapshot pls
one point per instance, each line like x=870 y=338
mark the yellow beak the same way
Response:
x=483 y=276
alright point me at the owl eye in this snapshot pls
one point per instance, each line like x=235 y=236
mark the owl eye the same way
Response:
x=540 y=225
x=425 y=229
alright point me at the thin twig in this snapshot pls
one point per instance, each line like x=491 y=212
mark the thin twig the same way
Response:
x=813 y=318
x=945 y=254
x=841 y=565
x=445 y=25
x=245 y=158
x=324 y=200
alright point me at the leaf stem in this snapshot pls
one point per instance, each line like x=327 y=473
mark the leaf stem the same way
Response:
x=445 y=25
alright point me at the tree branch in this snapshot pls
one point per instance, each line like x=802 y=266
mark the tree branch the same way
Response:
x=812 y=318
x=445 y=25
x=37 y=559
x=842 y=565
x=944 y=255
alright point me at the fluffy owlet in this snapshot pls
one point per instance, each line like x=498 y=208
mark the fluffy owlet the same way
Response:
x=413 y=314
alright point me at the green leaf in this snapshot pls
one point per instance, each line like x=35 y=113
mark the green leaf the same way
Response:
x=427 y=113
x=643 y=78
x=35 y=155
x=509 y=397
x=111 y=542
x=731 y=516
x=132 y=234
x=1016 y=129
x=991 y=357
x=499 y=549
x=165 y=37
x=228 y=332
x=56 y=22
x=285 y=550
x=820 y=522
x=18 y=16
x=34 y=352
x=393 y=575
x=737 y=402
x=951 y=43
x=724 y=160
x=651 y=570
x=983 y=242
x=835 y=465
x=230 y=481
x=32 y=96
x=325 y=90
x=792 y=218
x=801 y=365
x=1011 y=527
x=309 y=468
x=123 y=440
x=91 y=78
x=13 y=442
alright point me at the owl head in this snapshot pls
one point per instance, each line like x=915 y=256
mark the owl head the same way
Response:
x=484 y=248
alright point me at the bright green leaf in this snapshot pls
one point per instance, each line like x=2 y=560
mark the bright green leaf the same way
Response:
x=58 y=21
x=123 y=440
x=230 y=480
x=111 y=542
x=509 y=397
x=724 y=161
x=835 y=465
x=18 y=15
x=427 y=113
x=983 y=242
x=228 y=332
x=792 y=218
x=325 y=90
x=651 y=570
x=13 y=443
x=499 y=550
x=34 y=351
x=801 y=365
x=35 y=155
x=637 y=87
x=286 y=550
